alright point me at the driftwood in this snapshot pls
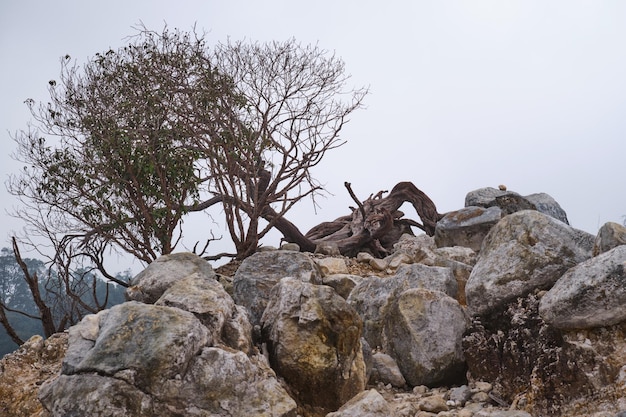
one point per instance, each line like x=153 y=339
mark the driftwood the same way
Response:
x=374 y=225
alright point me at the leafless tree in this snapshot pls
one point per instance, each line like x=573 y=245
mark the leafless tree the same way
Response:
x=289 y=105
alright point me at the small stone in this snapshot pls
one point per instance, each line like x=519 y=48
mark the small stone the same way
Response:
x=434 y=404
x=483 y=386
x=364 y=257
x=378 y=264
x=420 y=389
x=290 y=246
x=464 y=413
x=460 y=395
x=481 y=397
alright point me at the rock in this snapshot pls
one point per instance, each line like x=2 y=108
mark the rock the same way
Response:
x=416 y=247
x=433 y=404
x=153 y=343
x=414 y=318
x=482 y=197
x=555 y=372
x=95 y=395
x=313 y=339
x=466 y=227
x=460 y=395
x=525 y=251
x=385 y=370
x=151 y=283
x=512 y=202
x=609 y=236
x=502 y=413
x=547 y=205
x=366 y=404
x=373 y=295
x=591 y=294
x=294 y=247
x=258 y=273
x=330 y=266
x=342 y=283
x=23 y=371
x=328 y=248
x=211 y=304
x=460 y=254
x=143 y=360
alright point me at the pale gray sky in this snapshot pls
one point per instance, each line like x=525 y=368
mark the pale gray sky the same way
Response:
x=464 y=94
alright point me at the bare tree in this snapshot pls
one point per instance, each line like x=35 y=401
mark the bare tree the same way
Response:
x=289 y=105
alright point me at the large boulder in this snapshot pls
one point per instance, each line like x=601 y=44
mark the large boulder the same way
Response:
x=524 y=251
x=143 y=360
x=151 y=283
x=466 y=227
x=373 y=296
x=423 y=331
x=547 y=371
x=591 y=294
x=212 y=305
x=511 y=202
x=313 y=339
x=258 y=273
x=545 y=204
x=609 y=236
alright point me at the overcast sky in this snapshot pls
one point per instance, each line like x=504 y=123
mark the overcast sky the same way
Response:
x=464 y=94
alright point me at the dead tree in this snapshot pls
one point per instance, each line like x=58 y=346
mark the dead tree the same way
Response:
x=374 y=226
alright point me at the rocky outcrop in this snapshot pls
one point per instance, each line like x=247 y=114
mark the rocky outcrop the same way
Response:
x=373 y=296
x=591 y=294
x=414 y=317
x=524 y=251
x=511 y=202
x=258 y=274
x=313 y=338
x=529 y=322
x=149 y=284
x=466 y=227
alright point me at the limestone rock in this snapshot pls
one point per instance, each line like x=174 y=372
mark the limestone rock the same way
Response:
x=547 y=205
x=143 y=360
x=329 y=266
x=416 y=247
x=366 y=404
x=313 y=339
x=22 y=372
x=342 y=283
x=258 y=273
x=151 y=343
x=609 y=236
x=466 y=227
x=524 y=251
x=373 y=295
x=151 y=283
x=95 y=395
x=386 y=370
x=483 y=197
x=415 y=317
x=211 y=304
x=591 y=294
x=512 y=202
x=554 y=372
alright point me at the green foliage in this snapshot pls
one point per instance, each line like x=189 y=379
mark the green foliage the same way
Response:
x=114 y=153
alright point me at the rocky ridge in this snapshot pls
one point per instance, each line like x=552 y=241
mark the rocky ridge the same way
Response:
x=507 y=311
